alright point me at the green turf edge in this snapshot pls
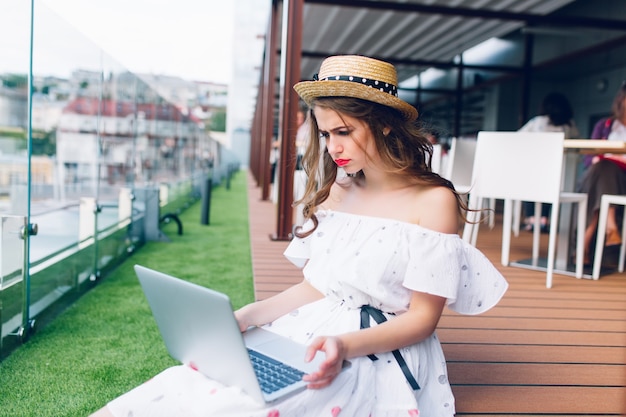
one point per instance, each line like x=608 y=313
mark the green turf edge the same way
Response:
x=107 y=342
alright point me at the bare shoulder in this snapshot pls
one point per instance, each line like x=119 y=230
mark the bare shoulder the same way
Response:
x=337 y=193
x=438 y=209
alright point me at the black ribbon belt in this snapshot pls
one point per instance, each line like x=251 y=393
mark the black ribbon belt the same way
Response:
x=369 y=311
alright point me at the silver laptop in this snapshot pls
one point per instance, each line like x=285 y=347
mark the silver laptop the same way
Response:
x=200 y=330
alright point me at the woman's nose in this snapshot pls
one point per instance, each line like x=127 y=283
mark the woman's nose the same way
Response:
x=333 y=146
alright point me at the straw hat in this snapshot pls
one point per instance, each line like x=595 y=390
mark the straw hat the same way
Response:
x=359 y=77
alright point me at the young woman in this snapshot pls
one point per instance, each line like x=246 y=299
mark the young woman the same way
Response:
x=605 y=174
x=381 y=259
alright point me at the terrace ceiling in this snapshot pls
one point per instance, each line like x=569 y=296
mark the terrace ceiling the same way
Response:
x=417 y=34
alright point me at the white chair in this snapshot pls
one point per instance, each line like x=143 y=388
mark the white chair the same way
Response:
x=605 y=202
x=435 y=163
x=461 y=164
x=459 y=168
x=523 y=166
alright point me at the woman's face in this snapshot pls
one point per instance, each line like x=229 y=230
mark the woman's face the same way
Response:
x=349 y=140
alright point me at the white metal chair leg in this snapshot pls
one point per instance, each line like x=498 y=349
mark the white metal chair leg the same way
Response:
x=536 y=234
x=473 y=237
x=469 y=229
x=580 y=237
x=552 y=245
x=517 y=217
x=597 y=259
x=492 y=213
x=622 y=250
x=506 y=231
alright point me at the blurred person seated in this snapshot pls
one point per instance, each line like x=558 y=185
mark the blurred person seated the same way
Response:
x=555 y=115
x=605 y=174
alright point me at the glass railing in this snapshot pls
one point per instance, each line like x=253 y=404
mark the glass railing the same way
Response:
x=13 y=314
x=92 y=159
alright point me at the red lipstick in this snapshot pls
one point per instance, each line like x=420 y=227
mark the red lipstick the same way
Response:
x=342 y=162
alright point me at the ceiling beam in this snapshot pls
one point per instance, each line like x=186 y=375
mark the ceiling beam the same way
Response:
x=423 y=62
x=528 y=18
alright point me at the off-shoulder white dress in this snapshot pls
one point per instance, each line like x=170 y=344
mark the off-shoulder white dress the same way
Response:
x=354 y=260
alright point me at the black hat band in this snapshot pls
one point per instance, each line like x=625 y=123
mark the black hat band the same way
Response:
x=379 y=85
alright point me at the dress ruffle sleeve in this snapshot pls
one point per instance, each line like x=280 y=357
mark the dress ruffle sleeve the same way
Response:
x=447 y=266
x=299 y=249
x=378 y=258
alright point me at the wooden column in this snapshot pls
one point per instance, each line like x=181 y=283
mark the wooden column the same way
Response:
x=290 y=74
x=269 y=89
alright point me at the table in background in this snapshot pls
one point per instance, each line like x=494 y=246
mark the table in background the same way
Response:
x=572 y=150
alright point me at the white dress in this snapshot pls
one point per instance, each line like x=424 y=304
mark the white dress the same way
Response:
x=354 y=260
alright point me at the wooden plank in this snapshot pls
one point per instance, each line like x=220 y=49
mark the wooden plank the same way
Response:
x=564 y=303
x=549 y=313
x=545 y=400
x=514 y=415
x=599 y=293
x=555 y=374
x=463 y=352
x=524 y=323
x=531 y=337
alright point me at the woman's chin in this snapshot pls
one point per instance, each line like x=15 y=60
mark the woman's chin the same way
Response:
x=349 y=172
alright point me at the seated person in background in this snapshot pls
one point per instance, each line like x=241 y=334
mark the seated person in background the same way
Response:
x=605 y=174
x=555 y=115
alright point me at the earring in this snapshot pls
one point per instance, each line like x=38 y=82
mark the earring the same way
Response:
x=386 y=131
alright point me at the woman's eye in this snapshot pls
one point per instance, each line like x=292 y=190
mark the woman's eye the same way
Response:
x=324 y=135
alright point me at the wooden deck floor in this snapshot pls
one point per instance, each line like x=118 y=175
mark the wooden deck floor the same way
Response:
x=539 y=352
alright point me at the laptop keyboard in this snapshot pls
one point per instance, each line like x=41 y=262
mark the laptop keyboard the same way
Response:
x=272 y=374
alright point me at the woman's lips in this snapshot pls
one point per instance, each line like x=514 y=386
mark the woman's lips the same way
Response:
x=342 y=162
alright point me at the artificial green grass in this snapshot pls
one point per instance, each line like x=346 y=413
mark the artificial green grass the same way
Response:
x=107 y=342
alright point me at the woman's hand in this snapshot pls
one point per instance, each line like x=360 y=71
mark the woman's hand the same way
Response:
x=243 y=316
x=335 y=352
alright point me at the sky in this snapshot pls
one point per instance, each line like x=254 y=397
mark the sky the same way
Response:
x=189 y=38
x=192 y=39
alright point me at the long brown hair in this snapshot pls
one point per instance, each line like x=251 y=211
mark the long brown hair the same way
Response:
x=405 y=150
